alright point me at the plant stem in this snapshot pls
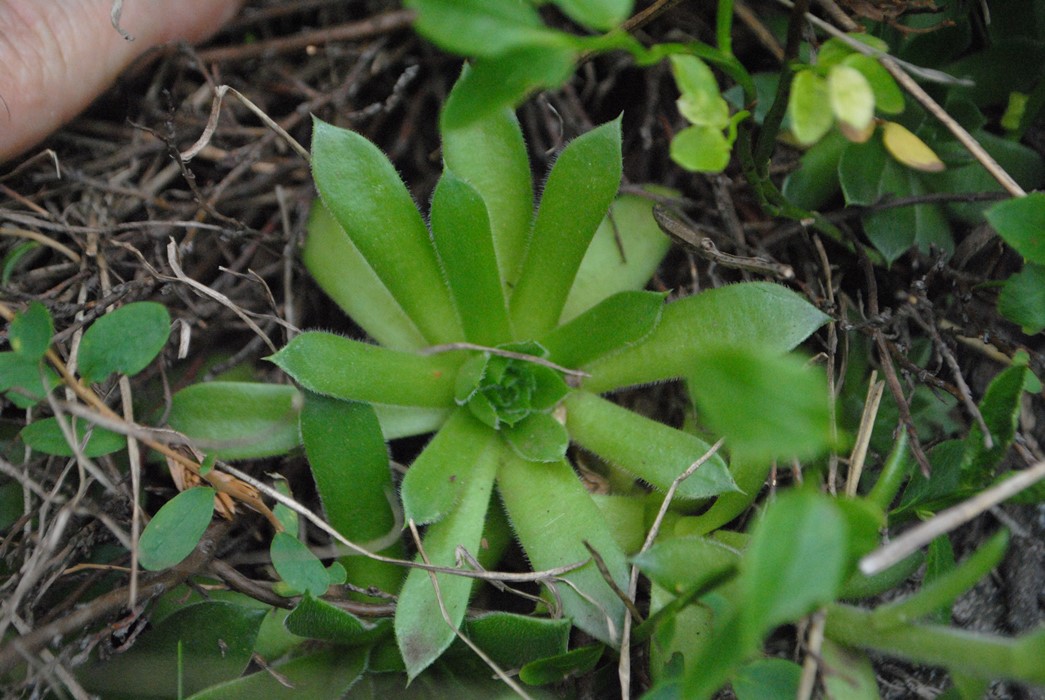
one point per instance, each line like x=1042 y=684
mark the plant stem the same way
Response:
x=973 y=653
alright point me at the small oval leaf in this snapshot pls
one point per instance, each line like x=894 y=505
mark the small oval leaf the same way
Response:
x=910 y=150
x=45 y=436
x=124 y=341
x=851 y=98
x=805 y=106
x=30 y=331
x=176 y=529
x=297 y=565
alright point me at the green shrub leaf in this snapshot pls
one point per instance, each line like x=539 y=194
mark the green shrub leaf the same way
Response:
x=1022 y=299
x=351 y=370
x=297 y=565
x=852 y=101
x=579 y=190
x=701 y=102
x=681 y=563
x=888 y=97
x=25 y=381
x=482 y=28
x=318 y=619
x=795 y=562
x=322 y=675
x=1020 y=222
x=805 y=106
x=238 y=420
x=767 y=406
x=513 y=641
x=176 y=529
x=597 y=14
x=30 y=332
x=702 y=149
x=124 y=341
x=192 y=649
x=498 y=82
x=652 y=451
x=556 y=669
x=363 y=191
x=46 y=436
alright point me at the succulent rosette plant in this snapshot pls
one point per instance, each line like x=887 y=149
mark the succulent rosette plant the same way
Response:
x=498 y=325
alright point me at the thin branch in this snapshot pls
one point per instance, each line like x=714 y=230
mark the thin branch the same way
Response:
x=949 y=519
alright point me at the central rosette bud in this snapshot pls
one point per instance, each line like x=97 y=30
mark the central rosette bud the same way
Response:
x=511 y=390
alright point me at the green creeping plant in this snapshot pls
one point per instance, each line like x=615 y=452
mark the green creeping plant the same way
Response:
x=498 y=326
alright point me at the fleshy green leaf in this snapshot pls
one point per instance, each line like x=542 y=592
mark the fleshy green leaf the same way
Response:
x=490 y=155
x=349 y=462
x=620 y=320
x=701 y=102
x=45 y=436
x=297 y=565
x=852 y=101
x=238 y=420
x=318 y=619
x=805 y=106
x=124 y=341
x=30 y=332
x=553 y=516
x=441 y=474
x=340 y=269
x=1022 y=299
x=753 y=315
x=579 y=190
x=498 y=82
x=680 y=563
x=421 y=632
x=796 y=560
x=597 y=14
x=322 y=675
x=346 y=369
x=461 y=232
x=176 y=529
x=1020 y=222
x=652 y=451
x=482 y=28
x=623 y=255
x=767 y=406
x=363 y=191
x=888 y=97
x=703 y=149
x=192 y=649
x=538 y=438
